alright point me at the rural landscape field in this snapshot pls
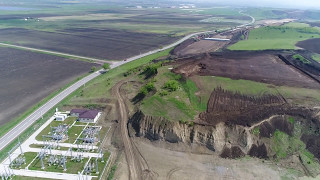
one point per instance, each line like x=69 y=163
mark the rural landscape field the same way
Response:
x=159 y=89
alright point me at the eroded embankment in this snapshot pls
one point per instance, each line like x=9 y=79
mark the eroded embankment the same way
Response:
x=282 y=132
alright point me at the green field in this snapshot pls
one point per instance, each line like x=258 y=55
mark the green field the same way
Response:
x=294 y=94
x=277 y=37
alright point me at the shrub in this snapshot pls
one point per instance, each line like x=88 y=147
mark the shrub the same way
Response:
x=256 y=131
x=149 y=86
x=106 y=66
x=291 y=120
x=150 y=70
x=93 y=68
x=163 y=93
x=143 y=91
x=301 y=58
x=171 y=85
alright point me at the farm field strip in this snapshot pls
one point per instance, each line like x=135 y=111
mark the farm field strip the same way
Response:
x=99 y=61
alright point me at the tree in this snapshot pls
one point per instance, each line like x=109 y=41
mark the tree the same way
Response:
x=93 y=69
x=106 y=66
x=171 y=85
x=149 y=86
x=151 y=70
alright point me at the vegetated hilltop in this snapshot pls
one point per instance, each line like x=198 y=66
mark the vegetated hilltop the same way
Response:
x=262 y=111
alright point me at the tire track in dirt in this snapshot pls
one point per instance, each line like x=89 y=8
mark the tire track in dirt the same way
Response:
x=137 y=164
x=133 y=164
x=171 y=172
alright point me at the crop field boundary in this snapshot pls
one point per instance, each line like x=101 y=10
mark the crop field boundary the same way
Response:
x=65 y=55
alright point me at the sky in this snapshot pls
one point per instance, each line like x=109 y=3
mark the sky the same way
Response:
x=270 y=3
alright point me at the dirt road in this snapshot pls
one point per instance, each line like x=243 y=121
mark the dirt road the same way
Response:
x=133 y=164
x=138 y=167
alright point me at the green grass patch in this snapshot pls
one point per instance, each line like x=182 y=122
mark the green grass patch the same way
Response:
x=256 y=131
x=301 y=58
x=101 y=164
x=74 y=132
x=29 y=157
x=276 y=37
x=291 y=120
x=72 y=166
x=295 y=94
x=171 y=101
x=316 y=57
x=54 y=123
x=112 y=172
x=284 y=145
x=196 y=102
x=239 y=85
x=309 y=162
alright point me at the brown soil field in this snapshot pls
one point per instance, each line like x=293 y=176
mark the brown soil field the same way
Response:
x=192 y=47
x=27 y=77
x=263 y=66
x=105 y=44
x=202 y=46
x=312 y=45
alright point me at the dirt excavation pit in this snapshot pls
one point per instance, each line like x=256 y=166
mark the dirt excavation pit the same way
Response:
x=263 y=66
x=175 y=165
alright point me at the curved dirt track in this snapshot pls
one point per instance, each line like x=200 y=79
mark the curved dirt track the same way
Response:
x=138 y=166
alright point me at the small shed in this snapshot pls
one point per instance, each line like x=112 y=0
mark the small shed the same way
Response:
x=60 y=117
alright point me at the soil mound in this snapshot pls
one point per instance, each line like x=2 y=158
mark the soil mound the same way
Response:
x=312 y=144
x=267 y=129
x=233 y=152
x=259 y=151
